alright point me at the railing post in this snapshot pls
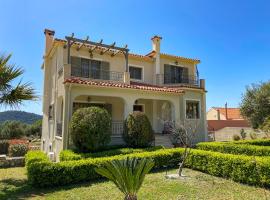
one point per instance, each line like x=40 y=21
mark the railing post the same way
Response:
x=202 y=83
x=126 y=77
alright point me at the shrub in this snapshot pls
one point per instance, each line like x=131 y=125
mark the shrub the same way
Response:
x=235 y=148
x=243 y=134
x=67 y=155
x=258 y=142
x=245 y=169
x=12 y=129
x=18 y=148
x=138 y=131
x=253 y=135
x=4 y=146
x=90 y=128
x=236 y=137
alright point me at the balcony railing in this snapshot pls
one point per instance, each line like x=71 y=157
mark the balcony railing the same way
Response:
x=97 y=74
x=117 y=128
x=168 y=79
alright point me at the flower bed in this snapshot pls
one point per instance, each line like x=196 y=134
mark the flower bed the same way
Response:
x=67 y=155
x=245 y=169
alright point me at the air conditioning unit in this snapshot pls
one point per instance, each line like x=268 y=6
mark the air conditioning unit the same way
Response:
x=51 y=156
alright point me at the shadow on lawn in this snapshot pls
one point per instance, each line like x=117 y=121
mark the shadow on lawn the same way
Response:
x=20 y=188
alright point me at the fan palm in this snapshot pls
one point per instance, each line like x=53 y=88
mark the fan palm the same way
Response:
x=13 y=95
x=127 y=175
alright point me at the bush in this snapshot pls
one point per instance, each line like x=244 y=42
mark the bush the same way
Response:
x=67 y=155
x=235 y=148
x=236 y=137
x=90 y=129
x=18 y=148
x=245 y=169
x=4 y=146
x=258 y=142
x=12 y=129
x=138 y=131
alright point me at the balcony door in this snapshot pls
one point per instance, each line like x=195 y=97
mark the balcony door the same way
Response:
x=175 y=74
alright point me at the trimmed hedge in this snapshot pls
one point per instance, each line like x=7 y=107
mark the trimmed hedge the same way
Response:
x=235 y=148
x=258 y=142
x=67 y=155
x=244 y=169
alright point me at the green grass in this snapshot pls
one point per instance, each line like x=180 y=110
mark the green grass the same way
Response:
x=13 y=185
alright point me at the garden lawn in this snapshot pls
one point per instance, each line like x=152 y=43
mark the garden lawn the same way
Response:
x=13 y=185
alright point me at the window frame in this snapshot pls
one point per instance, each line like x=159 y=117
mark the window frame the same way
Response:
x=139 y=104
x=137 y=66
x=185 y=108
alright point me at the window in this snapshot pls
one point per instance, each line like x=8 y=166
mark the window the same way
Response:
x=139 y=108
x=50 y=112
x=135 y=72
x=192 y=110
x=86 y=68
x=175 y=74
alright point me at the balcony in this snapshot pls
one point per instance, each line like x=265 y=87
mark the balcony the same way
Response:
x=98 y=74
x=168 y=79
x=117 y=128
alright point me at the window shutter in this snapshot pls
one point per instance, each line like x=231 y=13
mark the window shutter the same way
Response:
x=85 y=68
x=76 y=66
x=185 y=77
x=167 y=74
x=105 y=70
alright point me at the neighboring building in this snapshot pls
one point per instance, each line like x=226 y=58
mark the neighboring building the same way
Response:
x=81 y=73
x=223 y=123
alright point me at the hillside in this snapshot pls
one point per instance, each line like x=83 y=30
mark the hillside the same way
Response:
x=21 y=116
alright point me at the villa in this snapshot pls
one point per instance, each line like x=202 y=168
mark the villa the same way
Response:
x=81 y=73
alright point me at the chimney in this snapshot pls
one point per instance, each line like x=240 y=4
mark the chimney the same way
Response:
x=49 y=37
x=156 y=47
x=218 y=114
x=226 y=110
x=156 y=43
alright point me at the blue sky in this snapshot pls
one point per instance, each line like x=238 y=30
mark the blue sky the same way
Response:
x=231 y=38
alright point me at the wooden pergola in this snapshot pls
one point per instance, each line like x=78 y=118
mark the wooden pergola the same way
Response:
x=95 y=45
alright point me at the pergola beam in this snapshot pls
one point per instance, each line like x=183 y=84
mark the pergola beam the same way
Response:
x=80 y=46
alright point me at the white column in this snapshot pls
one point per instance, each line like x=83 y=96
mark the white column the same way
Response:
x=155 y=116
x=129 y=102
x=176 y=111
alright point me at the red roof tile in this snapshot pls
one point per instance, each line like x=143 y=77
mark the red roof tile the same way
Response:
x=132 y=85
x=233 y=113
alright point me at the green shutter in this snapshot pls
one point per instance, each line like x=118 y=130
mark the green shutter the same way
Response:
x=167 y=73
x=185 y=77
x=105 y=70
x=76 y=69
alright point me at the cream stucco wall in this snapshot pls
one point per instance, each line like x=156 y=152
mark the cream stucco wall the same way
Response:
x=212 y=114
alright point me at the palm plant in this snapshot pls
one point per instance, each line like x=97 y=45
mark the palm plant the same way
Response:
x=13 y=95
x=127 y=175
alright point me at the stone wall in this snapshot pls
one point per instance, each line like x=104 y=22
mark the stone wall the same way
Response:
x=6 y=162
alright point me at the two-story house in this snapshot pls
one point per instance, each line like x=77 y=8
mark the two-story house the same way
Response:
x=81 y=73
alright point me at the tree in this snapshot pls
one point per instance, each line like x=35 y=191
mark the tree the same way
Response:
x=183 y=134
x=127 y=175
x=13 y=95
x=255 y=105
x=34 y=129
x=12 y=129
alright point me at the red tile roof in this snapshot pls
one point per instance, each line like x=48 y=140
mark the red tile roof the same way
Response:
x=214 y=125
x=233 y=113
x=132 y=85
